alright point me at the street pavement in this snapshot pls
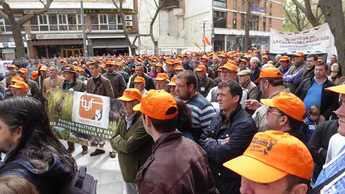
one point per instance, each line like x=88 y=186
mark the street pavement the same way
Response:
x=105 y=169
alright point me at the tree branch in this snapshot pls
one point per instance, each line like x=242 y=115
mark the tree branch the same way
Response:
x=163 y=2
x=28 y=16
x=290 y=18
x=299 y=5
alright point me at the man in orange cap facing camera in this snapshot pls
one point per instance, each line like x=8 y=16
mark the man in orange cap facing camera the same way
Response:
x=205 y=83
x=131 y=141
x=274 y=163
x=286 y=113
x=161 y=81
x=177 y=165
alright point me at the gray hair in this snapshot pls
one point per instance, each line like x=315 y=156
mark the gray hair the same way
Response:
x=255 y=60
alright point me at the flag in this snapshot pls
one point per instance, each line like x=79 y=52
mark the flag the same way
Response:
x=206 y=41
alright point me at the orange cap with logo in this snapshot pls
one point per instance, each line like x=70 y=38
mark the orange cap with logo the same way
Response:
x=34 y=75
x=158 y=104
x=230 y=66
x=287 y=103
x=139 y=79
x=271 y=156
x=340 y=89
x=130 y=94
x=201 y=68
x=179 y=68
x=270 y=72
x=162 y=77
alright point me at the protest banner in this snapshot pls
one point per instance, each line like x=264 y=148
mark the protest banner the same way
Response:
x=316 y=40
x=81 y=117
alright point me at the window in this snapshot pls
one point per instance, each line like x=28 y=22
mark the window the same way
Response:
x=119 y=23
x=62 y=22
x=264 y=24
x=94 y=22
x=43 y=22
x=103 y=21
x=53 y=22
x=234 y=4
x=270 y=10
x=72 y=22
x=254 y=23
x=243 y=20
x=219 y=3
x=219 y=19
x=234 y=20
x=270 y=23
x=2 y=25
x=112 y=22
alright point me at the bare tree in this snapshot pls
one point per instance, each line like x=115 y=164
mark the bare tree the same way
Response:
x=295 y=16
x=16 y=23
x=246 y=44
x=119 y=6
x=159 y=6
x=334 y=16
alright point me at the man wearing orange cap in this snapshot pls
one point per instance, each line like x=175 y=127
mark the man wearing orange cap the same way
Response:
x=293 y=76
x=205 y=83
x=284 y=64
x=227 y=72
x=161 y=81
x=19 y=88
x=139 y=83
x=274 y=163
x=33 y=86
x=286 y=113
x=116 y=79
x=177 y=165
x=270 y=84
x=131 y=141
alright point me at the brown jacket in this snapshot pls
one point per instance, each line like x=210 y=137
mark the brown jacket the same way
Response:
x=50 y=84
x=117 y=82
x=177 y=165
x=100 y=86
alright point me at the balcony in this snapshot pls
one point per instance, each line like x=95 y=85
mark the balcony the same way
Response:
x=68 y=28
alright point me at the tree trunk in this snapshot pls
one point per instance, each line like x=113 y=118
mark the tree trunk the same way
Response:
x=334 y=15
x=155 y=47
x=246 y=44
x=18 y=39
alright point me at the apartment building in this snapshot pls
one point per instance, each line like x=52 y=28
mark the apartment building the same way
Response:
x=59 y=32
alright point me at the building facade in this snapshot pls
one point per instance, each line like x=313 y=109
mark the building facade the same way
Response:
x=59 y=32
x=185 y=25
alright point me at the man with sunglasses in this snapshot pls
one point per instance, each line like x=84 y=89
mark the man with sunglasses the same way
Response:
x=286 y=113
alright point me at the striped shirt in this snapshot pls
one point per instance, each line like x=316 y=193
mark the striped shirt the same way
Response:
x=202 y=114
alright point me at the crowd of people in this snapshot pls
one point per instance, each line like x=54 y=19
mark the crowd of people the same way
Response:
x=217 y=122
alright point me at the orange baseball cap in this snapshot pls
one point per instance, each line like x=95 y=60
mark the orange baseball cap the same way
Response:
x=287 y=103
x=162 y=77
x=159 y=65
x=201 y=68
x=284 y=58
x=17 y=78
x=179 y=68
x=299 y=54
x=272 y=155
x=158 y=104
x=340 y=89
x=130 y=94
x=20 y=85
x=230 y=66
x=23 y=70
x=34 y=75
x=139 y=79
x=172 y=81
x=270 y=72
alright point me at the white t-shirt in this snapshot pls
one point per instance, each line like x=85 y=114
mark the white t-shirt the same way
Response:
x=336 y=143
